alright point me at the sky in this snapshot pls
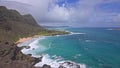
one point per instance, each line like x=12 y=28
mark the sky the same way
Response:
x=77 y=13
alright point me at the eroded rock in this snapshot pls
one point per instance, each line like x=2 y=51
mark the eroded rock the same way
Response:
x=46 y=66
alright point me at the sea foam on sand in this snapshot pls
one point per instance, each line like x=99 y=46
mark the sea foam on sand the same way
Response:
x=31 y=45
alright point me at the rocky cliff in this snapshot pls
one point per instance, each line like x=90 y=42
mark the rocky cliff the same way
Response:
x=13 y=26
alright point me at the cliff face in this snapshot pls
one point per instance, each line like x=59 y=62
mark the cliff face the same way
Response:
x=29 y=19
x=11 y=57
x=15 y=25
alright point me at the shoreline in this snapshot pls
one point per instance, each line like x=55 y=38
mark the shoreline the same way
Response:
x=14 y=56
x=32 y=47
x=35 y=59
x=24 y=39
x=42 y=63
x=32 y=60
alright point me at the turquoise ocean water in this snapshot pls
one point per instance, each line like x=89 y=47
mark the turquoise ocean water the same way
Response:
x=94 y=47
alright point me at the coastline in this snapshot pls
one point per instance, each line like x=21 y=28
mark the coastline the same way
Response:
x=45 y=61
x=35 y=60
x=12 y=57
x=13 y=31
x=21 y=40
x=22 y=60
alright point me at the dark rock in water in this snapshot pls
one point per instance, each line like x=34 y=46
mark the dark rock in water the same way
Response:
x=46 y=66
x=29 y=54
x=78 y=66
x=61 y=66
x=27 y=47
x=33 y=49
x=69 y=64
x=36 y=60
x=12 y=57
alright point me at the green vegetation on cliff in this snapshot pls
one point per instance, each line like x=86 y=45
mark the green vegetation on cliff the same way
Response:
x=13 y=26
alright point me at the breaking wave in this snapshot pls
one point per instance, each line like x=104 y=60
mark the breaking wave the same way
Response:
x=33 y=45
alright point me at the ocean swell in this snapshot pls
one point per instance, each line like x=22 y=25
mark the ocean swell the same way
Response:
x=58 y=63
x=53 y=61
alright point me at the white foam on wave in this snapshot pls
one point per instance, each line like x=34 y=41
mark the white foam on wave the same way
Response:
x=26 y=43
x=89 y=41
x=46 y=59
x=76 y=33
x=58 y=35
x=57 y=62
x=32 y=45
x=77 y=55
x=109 y=29
x=71 y=33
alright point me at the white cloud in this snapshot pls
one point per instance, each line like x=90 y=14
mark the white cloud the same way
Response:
x=117 y=18
x=84 y=13
x=58 y=13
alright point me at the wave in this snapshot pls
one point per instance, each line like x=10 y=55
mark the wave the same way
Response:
x=77 y=55
x=71 y=33
x=31 y=45
x=109 y=29
x=53 y=61
x=26 y=43
x=90 y=41
x=58 y=62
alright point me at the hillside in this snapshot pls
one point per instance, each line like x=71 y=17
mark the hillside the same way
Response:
x=13 y=26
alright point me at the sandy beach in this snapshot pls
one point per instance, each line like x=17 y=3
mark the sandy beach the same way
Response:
x=21 y=40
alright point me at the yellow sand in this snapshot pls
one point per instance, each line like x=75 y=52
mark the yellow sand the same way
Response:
x=21 y=40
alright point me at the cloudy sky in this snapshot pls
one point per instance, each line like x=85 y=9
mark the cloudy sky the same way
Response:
x=79 y=13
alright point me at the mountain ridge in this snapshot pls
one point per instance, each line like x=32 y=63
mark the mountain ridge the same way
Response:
x=12 y=22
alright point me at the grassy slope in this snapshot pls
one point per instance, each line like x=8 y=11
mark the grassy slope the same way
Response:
x=13 y=25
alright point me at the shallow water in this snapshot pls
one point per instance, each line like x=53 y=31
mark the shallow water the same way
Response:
x=89 y=47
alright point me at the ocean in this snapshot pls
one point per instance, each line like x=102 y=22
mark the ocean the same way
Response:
x=84 y=48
